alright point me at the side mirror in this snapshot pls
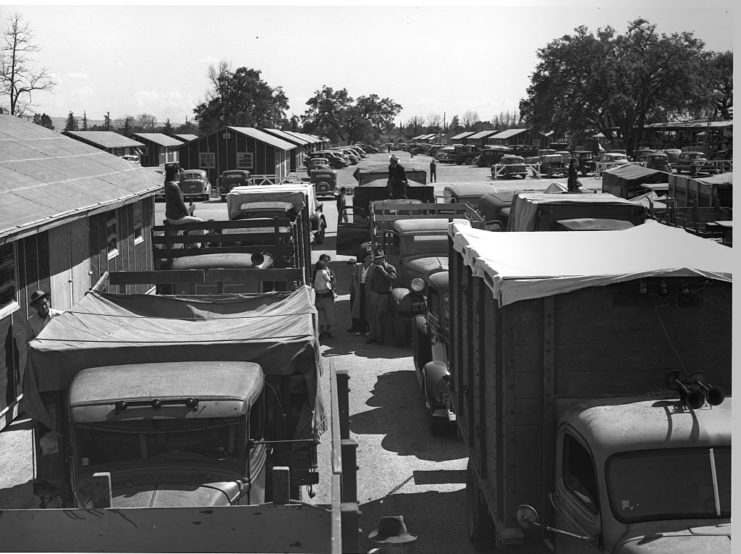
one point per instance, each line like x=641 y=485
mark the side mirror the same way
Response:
x=527 y=516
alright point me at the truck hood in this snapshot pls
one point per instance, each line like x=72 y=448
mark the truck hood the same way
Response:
x=168 y=485
x=703 y=539
x=424 y=267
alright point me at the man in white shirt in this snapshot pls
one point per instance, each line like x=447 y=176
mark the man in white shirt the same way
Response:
x=41 y=302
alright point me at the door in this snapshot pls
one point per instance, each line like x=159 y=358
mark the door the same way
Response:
x=577 y=498
x=69 y=263
x=352 y=233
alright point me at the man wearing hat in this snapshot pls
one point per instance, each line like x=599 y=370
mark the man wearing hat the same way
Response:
x=41 y=302
x=378 y=281
x=397 y=183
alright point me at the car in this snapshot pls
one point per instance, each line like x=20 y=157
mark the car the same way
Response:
x=641 y=155
x=195 y=184
x=490 y=155
x=336 y=161
x=232 y=178
x=509 y=166
x=585 y=161
x=552 y=165
x=317 y=163
x=610 y=160
x=672 y=153
x=658 y=160
x=688 y=161
x=324 y=180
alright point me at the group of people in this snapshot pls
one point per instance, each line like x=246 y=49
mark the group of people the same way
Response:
x=370 y=296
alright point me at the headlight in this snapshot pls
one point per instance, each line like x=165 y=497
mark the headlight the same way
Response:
x=418 y=285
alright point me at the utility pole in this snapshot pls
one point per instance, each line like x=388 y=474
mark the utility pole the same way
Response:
x=444 y=114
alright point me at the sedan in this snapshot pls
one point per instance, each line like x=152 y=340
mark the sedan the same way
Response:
x=195 y=184
x=509 y=166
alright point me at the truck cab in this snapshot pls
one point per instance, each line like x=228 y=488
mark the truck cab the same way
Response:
x=232 y=178
x=169 y=434
x=636 y=475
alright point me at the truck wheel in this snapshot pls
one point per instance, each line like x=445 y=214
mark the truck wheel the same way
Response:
x=319 y=235
x=469 y=161
x=420 y=342
x=401 y=331
x=481 y=530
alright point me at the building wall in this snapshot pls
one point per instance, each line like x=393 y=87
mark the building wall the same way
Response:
x=216 y=154
x=155 y=155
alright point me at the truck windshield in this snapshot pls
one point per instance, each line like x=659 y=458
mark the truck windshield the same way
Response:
x=420 y=245
x=681 y=483
x=141 y=440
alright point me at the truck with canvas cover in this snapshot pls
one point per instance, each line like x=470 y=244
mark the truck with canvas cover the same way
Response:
x=355 y=233
x=588 y=389
x=542 y=212
x=148 y=420
x=372 y=185
x=625 y=181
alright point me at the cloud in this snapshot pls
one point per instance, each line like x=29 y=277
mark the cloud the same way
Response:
x=56 y=79
x=82 y=93
x=78 y=75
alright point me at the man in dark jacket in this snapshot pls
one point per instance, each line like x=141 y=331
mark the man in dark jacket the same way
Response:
x=397 y=183
x=378 y=281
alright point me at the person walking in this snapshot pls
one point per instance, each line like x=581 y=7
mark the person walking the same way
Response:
x=571 y=183
x=341 y=203
x=397 y=181
x=359 y=294
x=41 y=302
x=379 y=279
x=433 y=171
x=324 y=303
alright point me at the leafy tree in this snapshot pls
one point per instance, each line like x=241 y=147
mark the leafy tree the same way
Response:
x=240 y=98
x=145 y=123
x=721 y=74
x=167 y=127
x=43 y=120
x=470 y=118
x=18 y=79
x=71 y=124
x=336 y=115
x=454 y=123
x=84 y=121
x=414 y=124
x=187 y=128
x=107 y=121
x=616 y=83
x=434 y=122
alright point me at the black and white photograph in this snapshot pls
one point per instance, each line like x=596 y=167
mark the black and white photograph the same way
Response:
x=409 y=278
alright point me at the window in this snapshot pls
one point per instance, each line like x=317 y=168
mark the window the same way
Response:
x=244 y=160
x=207 y=160
x=579 y=476
x=138 y=225
x=8 y=292
x=111 y=225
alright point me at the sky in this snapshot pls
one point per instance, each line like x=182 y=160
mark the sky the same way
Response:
x=431 y=58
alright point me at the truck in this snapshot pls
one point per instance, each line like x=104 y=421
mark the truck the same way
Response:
x=184 y=424
x=589 y=389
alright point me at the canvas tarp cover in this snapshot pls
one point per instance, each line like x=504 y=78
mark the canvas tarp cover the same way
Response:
x=521 y=266
x=624 y=179
x=243 y=195
x=525 y=206
x=275 y=330
x=374 y=173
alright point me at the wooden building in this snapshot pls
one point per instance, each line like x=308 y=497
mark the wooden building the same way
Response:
x=185 y=137
x=314 y=142
x=69 y=212
x=109 y=141
x=298 y=155
x=519 y=137
x=158 y=149
x=480 y=139
x=238 y=148
x=458 y=138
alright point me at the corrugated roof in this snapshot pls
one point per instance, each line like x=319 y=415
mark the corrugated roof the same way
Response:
x=311 y=139
x=264 y=137
x=186 y=137
x=482 y=134
x=508 y=133
x=46 y=177
x=293 y=139
x=104 y=139
x=462 y=135
x=159 y=138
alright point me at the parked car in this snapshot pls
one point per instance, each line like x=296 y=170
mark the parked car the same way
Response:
x=324 y=181
x=641 y=155
x=672 y=153
x=509 y=166
x=552 y=165
x=232 y=178
x=610 y=160
x=317 y=163
x=585 y=161
x=491 y=155
x=336 y=160
x=687 y=161
x=195 y=184
x=658 y=160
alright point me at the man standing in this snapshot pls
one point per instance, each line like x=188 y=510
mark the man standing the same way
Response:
x=571 y=183
x=433 y=171
x=40 y=301
x=378 y=280
x=397 y=183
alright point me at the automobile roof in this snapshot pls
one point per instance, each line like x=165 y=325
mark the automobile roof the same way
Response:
x=222 y=388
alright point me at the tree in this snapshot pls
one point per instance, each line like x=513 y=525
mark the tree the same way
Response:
x=167 y=128
x=454 y=123
x=721 y=74
x=43 y=120
x=145 y=123
x=84 y=121
x=469 y=120
x=240 y=98
x=414 y=124
x=434 y=122
x=107 y=121
x=616 y=83
x=71 y=124
x=327 y=113
x=18 y=79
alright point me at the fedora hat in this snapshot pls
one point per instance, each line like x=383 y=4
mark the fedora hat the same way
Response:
x=391 y=529
x=378 y=254
x=394 y=157
x=38 y=295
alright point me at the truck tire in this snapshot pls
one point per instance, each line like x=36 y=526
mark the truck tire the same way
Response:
x=468 y=161
x=421 y=349
x=319 y=235
x=481 y=530
x=401 y=331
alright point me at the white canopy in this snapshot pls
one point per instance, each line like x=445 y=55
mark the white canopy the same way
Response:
x=521 y=266
x=239 y=194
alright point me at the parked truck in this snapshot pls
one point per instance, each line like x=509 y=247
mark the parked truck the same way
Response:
x=587 y=377
x=182 y=424
x=372 y=186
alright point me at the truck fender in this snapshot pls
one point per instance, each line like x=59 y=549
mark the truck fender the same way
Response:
x=437 y=380
x=400 y=300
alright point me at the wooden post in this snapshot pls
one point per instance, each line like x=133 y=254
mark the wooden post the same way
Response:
x=350 y=515
x=101 y=490
x=281 y=485
x=343 y=390
x=349 y=470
